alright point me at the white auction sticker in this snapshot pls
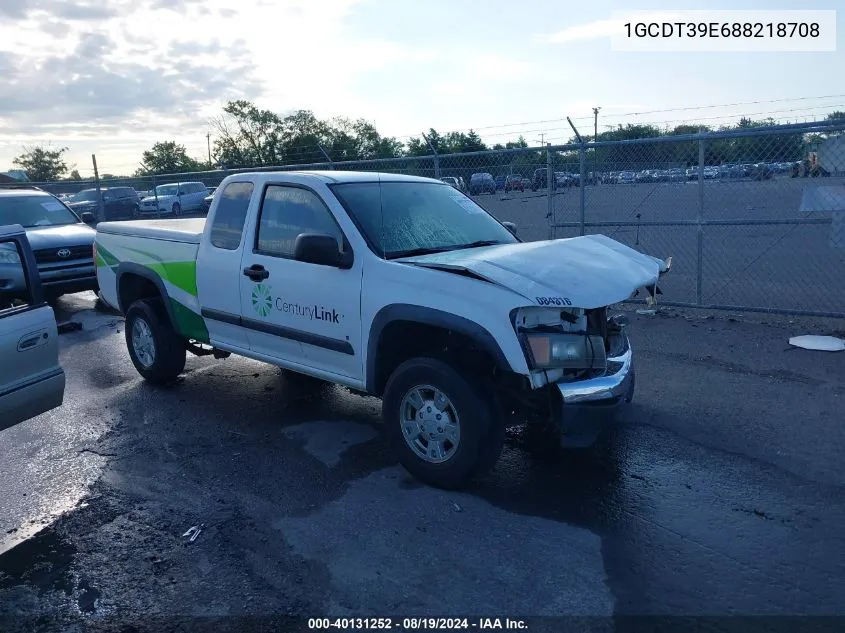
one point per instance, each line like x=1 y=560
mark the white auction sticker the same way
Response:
x=724 y=31
x=52 y=205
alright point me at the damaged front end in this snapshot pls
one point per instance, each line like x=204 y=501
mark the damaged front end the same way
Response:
x=581 y=368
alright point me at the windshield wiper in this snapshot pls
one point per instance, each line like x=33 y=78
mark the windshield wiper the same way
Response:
x=478 y=244
x=413 y=252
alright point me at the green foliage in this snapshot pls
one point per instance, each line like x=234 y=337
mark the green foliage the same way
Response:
x=42 y=162
x=167 y=157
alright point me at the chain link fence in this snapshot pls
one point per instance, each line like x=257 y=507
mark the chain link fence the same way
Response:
x=754 y=218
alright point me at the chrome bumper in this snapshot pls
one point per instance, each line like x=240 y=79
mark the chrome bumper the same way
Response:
x=611 y=389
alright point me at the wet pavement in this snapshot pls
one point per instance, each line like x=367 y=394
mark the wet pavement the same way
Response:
x=719 y=494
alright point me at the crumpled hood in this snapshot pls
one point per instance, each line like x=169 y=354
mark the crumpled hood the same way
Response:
x=587 y=272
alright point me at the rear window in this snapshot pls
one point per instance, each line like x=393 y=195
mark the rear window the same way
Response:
x=228 y=224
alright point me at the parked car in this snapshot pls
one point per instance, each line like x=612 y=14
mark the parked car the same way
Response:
x=692 y=173
x=627 y=178
x=176 y=198
x=481 y=183
x=31 y=379
x=450 y=180
x=514 y=183
x=209 y=198
x=676 y=175
x=61 y=241
x=711 y=172
x=462 y=184
x=526 y=183
x=643 y=176
x=322 y=273
x=500 y=182
x=119 y=203
x=540 y=179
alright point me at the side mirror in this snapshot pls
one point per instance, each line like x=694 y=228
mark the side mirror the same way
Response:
x=88 y=217
x=318 y=248
x=510 y=226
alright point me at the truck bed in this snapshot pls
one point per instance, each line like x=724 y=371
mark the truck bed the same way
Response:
x=188 y=230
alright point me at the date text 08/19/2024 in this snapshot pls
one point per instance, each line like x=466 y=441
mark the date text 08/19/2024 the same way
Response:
x=416 y=624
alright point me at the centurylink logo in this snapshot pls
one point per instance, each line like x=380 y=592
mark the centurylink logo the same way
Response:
x=262 y=302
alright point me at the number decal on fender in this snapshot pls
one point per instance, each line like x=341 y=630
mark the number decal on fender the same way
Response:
x=554 y=301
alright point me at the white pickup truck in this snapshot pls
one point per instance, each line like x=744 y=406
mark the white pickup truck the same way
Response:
x=394 y=286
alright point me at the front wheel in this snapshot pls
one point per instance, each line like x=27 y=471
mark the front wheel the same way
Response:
x=442 y=426
x=136 y=212
x=177 y=209
x=157 y=352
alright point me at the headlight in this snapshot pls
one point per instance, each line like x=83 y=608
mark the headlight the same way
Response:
x=566 y=351
x=9 y=255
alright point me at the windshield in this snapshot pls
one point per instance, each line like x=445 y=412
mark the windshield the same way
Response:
x=86 y=195
x=31 y=211
x=399 y=218
x=167 y=190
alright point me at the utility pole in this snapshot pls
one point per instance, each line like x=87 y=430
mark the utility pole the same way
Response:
x=208 y=142
x=596 y=124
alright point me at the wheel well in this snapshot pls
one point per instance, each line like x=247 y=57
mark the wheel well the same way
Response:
x=133 y=287
x=402 y=340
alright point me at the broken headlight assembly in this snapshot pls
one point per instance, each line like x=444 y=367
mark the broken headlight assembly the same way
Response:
x=566 y=351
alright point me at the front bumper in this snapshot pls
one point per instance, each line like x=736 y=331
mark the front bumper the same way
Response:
x=589 y=405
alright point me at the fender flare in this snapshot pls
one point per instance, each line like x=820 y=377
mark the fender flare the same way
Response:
x=131 y=268
x=427 y=316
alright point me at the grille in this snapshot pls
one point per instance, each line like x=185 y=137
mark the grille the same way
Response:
x=51 y=255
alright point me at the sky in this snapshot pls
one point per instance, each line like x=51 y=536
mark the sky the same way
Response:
x=113 y=77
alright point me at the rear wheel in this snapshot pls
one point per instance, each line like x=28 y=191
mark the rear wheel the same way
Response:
x=177 y=209
x=442 y=426
x=155 y=349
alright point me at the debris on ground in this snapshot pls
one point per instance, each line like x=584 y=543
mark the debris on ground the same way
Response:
x=68 y=326
x=192 y=533
x=647 y=312
x=819 y=343
x=457 y=507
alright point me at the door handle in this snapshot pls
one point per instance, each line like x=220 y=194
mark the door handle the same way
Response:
x=257 y=272
x=31 y=340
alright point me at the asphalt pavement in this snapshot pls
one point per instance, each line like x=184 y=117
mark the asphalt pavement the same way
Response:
x=719 y=494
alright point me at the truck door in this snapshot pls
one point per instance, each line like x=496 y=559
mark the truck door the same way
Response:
x=219 y=277
x=31 y=379
x=296 y=311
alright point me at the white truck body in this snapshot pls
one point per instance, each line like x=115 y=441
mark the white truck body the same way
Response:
x=234 y=282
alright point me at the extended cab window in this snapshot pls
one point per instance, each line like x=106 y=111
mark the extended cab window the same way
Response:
x=288 y=212
x=228 y=224
x=14 y=289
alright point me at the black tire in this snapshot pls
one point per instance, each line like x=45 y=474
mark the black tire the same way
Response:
x=176 y=209
x=136 y=212
x=481 y=432
x=169 y=349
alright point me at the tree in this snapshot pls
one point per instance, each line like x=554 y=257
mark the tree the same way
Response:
x=167 y=157
x=836 y=115
x=74 y=175
x=42 y=163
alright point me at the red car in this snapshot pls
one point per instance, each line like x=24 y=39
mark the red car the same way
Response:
x=514 y=183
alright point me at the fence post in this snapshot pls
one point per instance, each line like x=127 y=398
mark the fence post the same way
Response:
x=550 y=184
x=101 y=208
x=435 y=156
x=155 y=194
x=582 y=155
x=700 y=228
